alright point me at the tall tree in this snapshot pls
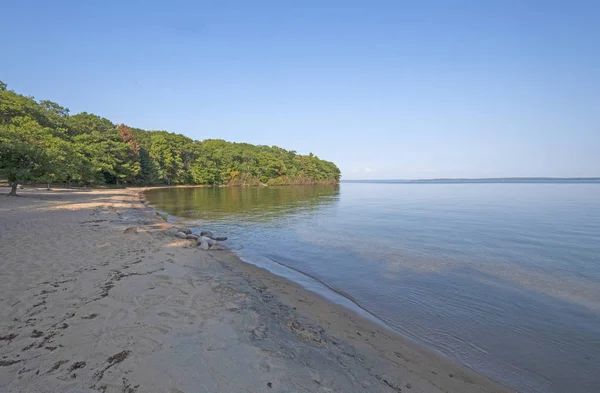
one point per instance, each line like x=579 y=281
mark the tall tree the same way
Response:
x=22 y=153
x=167 y=159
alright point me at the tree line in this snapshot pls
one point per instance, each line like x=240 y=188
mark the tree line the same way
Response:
x=40 y=141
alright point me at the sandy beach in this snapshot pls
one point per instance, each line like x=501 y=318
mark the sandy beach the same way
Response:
x=97 y=297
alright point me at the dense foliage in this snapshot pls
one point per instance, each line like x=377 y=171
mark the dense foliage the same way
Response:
x=40 y=141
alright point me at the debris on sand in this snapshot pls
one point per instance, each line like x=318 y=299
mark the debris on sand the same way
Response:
x=57 y=366
x=8 y=337
x=77 y=365
x=112 y=361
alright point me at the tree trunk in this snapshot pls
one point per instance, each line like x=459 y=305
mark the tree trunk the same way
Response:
x=13 y=188
x=48 y=186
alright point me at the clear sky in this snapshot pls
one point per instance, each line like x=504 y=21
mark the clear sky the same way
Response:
x=386 y=89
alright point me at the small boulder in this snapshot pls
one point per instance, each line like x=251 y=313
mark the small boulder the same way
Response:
x=211 y=242
x=207 y=234
x=220 y=238
x=173 y=231
x=131 y=230
x=203 y=244
x=185 y=230
x=181 y=235
x=192 y=236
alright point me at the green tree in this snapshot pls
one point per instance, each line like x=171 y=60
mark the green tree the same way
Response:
x=41 y=141
x=22 y=156
x=167 y=160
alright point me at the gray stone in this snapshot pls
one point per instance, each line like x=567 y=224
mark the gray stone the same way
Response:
x=185 y=230
x=172 y=231
x=203 y=244
x=192 y=236
x=208 y=240
x=181 y=235
x=207 y=234
x=220 y=238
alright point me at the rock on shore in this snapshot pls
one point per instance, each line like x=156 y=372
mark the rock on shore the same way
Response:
x=206 y=240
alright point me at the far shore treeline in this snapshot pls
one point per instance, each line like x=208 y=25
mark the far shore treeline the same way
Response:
x=40 y=141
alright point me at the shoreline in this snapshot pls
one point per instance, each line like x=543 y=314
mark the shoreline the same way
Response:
x=349 y=307
x=239 y=326
x=352 y=306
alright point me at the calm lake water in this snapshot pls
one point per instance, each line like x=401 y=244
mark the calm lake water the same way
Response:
x=502 y=277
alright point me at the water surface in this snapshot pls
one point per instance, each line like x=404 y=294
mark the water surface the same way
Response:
x=503 y=277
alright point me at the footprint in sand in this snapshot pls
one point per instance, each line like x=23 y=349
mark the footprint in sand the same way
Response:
x=119 y=314
x=165 y=314
x=264 y=366
x=160 y=329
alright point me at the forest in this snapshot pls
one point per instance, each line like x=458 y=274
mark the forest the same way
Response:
x=41 y=142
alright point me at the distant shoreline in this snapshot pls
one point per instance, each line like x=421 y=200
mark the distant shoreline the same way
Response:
x=484 y=180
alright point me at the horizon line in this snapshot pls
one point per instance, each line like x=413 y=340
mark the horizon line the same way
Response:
x=483 y=178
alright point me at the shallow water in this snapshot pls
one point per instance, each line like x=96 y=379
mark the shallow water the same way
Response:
x=503 y=277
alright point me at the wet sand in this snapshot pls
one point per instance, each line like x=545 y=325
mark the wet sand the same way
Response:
x=88 y=305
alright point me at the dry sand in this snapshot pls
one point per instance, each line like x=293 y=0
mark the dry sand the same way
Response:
x=85 y=307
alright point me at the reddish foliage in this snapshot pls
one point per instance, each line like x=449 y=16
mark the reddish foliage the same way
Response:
x=128 y=138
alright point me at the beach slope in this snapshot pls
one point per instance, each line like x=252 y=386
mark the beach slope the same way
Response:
x=95 y=297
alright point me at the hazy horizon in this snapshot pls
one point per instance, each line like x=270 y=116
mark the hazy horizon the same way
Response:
x=478 y=178
x=386 y=90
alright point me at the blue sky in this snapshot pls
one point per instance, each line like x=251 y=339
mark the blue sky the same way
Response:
x=386 y=89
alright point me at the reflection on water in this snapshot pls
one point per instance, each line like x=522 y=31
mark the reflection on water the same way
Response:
x=243 y=203
x=502 y=277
